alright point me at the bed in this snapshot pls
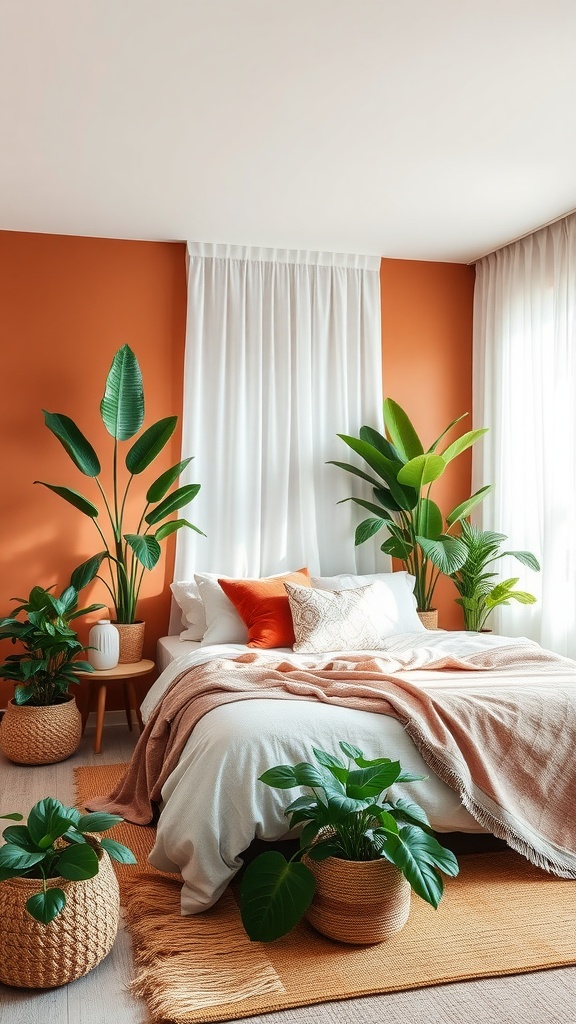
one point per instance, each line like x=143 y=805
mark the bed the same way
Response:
x=212 y=806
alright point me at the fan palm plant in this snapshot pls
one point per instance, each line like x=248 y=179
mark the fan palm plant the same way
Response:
x=128 y=554
x=403 y=472
x=479 y=594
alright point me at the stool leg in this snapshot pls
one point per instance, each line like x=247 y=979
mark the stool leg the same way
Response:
x=101 y=707
x=127 y=705
x=134 y=702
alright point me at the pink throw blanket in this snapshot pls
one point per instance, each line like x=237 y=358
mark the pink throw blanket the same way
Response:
x=498 y=726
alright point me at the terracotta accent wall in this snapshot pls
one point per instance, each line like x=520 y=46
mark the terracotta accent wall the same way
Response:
x=427 y=369
x=67 y=305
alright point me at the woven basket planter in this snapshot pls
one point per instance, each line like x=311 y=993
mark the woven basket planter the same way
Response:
x=131 y=641
x=45 y=735
x=359 y=902
x=38 y=955
x=429 y=619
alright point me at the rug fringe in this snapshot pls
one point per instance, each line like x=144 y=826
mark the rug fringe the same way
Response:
x=213 y=954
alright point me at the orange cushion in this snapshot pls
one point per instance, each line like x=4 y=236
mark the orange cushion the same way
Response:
x=264 y=607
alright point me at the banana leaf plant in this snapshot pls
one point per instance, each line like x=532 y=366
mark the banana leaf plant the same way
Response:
x=349 y=815
x=479 y=594
x=127 y=554
x=402 y=475
x=57 y=842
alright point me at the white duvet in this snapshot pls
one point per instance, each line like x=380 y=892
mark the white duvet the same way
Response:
x=213 y=805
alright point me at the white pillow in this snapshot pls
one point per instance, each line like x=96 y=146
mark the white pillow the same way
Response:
x=335 y=620
x=397 y=601
x=188 y=598
x=223 y=623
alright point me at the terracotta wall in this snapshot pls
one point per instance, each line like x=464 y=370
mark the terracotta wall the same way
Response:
x=427 y=369
x=67 y=305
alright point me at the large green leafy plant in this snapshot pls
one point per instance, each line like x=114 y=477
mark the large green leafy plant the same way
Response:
x=128 y=554
x=402 y=476
x=475 y=582
x=56 y=842
x=46 y=663
x=349 y=815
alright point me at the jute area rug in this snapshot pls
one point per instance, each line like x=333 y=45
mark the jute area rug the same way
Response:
x=499 y=916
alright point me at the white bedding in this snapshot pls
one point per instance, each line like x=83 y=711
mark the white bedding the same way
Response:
x=213 y=805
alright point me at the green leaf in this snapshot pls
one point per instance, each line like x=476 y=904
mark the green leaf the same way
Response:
x=150 y=444
x=118 y=851
x=401 y=430
x=280 y=777
x=350 y=750
x=369 y=506
x=429 y=519
x=355 y=471
x=73 y=441
x=182 y=496
x=274 y=895
x=77 y=863
x=366 y=529
x=22 y=694
x=19 y=835
x=365 y=783
x=462 y=443
x=13 y=817
x=407 y=810
x=172 y=526
x=323 y=849
x=422 y=470
x=447 y=553
x=526 y=557
x=16 y=860
x=97 y=821
x=145 y=547
x=396 y=548
x=377 y=440
x=162 y=485
x=434 y=446
x=45 y=906
x=463 y=510
x=85 y=573
x=420 y=857
x=333 y=764
x=73 y=498
x=122 y=407
x=47 y=821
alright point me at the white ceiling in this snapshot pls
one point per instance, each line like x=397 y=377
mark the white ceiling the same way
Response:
x=422 y=129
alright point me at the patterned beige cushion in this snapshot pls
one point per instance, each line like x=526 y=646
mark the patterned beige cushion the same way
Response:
x=339 y=620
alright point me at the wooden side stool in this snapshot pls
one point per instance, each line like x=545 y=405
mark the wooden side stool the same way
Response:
x=124 y=674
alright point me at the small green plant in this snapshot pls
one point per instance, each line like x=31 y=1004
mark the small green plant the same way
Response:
x=46 y=666
x=127 y=554
x=56 y=842
x=420 y=536
x=347 y=815
x=479 y=594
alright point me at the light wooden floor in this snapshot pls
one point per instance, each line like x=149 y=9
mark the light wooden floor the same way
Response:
x=101 y=997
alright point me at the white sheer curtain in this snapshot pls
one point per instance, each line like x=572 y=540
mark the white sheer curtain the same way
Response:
x=283 y=351
x=525 y=392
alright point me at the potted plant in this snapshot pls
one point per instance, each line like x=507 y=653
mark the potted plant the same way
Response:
x=59 y=898
x=358 y=849
x=402 y=476
x=479 y=593
x=127 y=554
x=42 y=723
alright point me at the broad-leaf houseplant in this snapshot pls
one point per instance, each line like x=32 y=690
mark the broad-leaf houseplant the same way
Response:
x=42 y=723
x=348 y=821
x=128 y=553
x=59 y=898
x=402 y=472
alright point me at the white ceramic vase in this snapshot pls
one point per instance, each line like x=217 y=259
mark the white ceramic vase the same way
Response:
x=104 y=640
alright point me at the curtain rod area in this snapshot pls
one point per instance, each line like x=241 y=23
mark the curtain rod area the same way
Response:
x=547 y=224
